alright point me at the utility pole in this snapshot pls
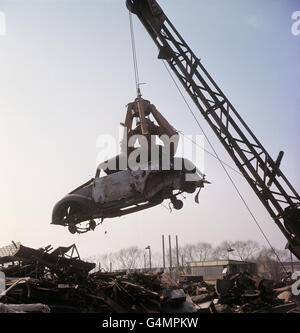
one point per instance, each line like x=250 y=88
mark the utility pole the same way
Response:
x=163 y=250
x=170 y=253
x=149 y=248
x=177 y=251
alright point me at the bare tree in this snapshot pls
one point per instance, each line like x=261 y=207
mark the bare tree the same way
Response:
x=203 y=251
x=106 y=261
x=156 y=259
x=284 y=255
x=129 y=258
x=222 y=251
x=245 y=250
x=133 y=257
x=269 y=262
x=189 y=253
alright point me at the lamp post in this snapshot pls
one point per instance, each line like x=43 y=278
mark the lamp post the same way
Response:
x=229 y=250
x=149 y=248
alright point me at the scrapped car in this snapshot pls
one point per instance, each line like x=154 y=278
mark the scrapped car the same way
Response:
x=119 y=193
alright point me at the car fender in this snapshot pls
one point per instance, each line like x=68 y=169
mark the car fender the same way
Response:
x=77 y=200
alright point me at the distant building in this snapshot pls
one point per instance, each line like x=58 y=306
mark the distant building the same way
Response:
x=292 y=267
x=213 y=270
x=275 y=271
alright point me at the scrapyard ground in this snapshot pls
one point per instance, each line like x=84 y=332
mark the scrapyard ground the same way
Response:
x=43 y=281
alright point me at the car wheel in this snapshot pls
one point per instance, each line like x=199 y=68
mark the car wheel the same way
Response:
x=72 y=228
x=177 y=204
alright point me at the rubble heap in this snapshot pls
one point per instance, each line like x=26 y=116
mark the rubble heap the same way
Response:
x=243 y=293
x=47 y=280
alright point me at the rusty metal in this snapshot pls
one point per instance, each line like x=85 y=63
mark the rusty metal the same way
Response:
x=141 y=111
x=58 y=261
x=58 y=288
x=120 y=191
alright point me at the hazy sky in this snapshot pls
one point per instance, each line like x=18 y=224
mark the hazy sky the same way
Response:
x=65 y=78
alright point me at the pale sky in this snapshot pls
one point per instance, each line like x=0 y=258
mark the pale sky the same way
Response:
x=66 y=75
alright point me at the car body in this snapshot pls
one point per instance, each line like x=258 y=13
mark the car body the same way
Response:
x=126 y=191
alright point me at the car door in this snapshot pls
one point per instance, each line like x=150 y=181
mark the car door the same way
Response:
x=120 y=185
x=112 y=187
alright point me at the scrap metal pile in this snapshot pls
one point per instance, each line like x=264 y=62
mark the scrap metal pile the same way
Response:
x=47 y=280
x=44 y=281
x=244 y=293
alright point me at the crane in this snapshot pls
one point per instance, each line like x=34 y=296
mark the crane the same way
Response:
x=262 y=172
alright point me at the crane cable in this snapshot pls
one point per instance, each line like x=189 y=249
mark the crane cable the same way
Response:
x=137 y=83
x=134 y=57
x=223 y=166
x=209 y=153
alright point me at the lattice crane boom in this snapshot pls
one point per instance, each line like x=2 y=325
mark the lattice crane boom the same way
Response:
x=261 y=172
